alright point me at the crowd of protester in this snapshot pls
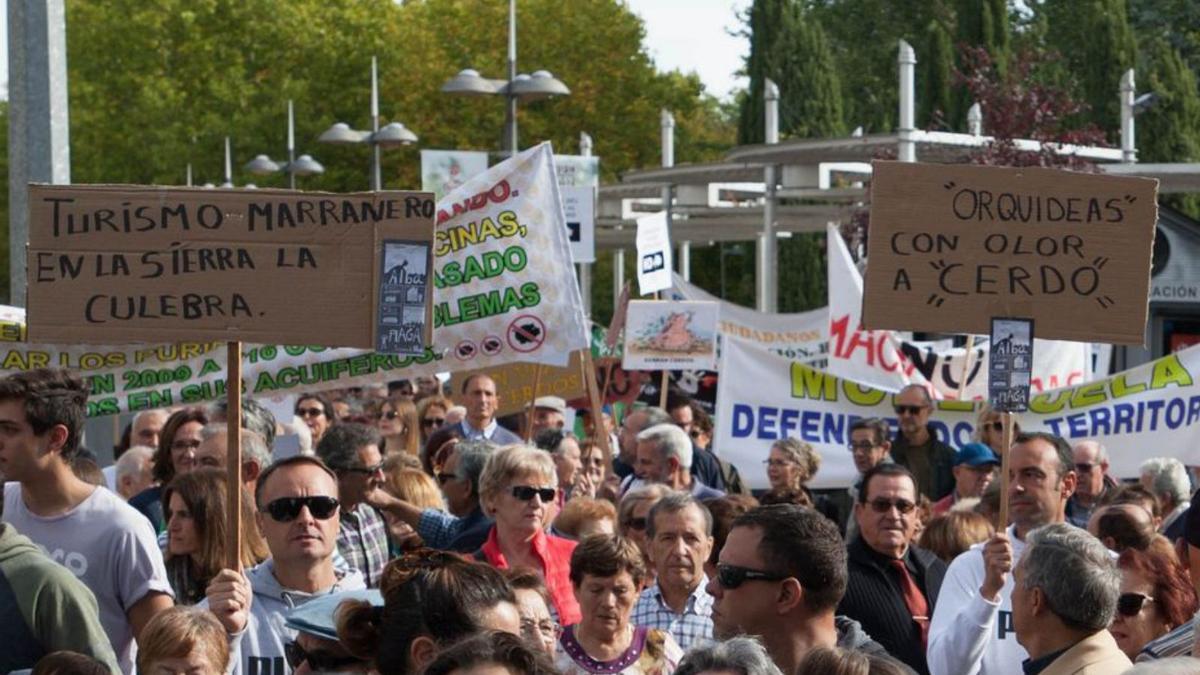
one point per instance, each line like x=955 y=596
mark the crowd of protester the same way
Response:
x=409 y=529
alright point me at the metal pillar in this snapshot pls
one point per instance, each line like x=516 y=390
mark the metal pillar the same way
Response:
x=667 y=125
x=768 y=257
x=376 y=169
x=975 y=119
x=510 y=115
x=908 y=63
x=38 y=130
x=585 y=269
x=1128 y=141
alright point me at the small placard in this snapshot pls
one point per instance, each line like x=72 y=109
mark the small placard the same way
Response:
x=1010 y=364
x=403 y=303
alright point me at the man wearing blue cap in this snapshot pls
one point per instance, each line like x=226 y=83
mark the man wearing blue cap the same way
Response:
x=974 y=467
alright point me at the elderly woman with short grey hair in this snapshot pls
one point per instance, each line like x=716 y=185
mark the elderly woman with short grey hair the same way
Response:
x=632 y=517
x=1064 y=596
x=791 y=464
x=517 y=487
x=739 y=655
x=1167 y=478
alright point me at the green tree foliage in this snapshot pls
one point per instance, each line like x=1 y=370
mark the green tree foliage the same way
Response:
x=1169 y=131
x=810 y=104
x=764 y=26
x=935 y=78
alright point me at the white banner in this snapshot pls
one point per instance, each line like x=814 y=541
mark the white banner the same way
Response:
x=795 y=336
x=1148 y=411
x=444 y=170
x=504 y=287
x=654 y=253
x=579 y=209
x=884 y=359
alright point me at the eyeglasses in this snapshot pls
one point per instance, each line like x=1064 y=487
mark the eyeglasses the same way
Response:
x=389 y=415
x=638 y=524
x=185 y=444
x=881 y=505
x=1084 y=467
x=433 y=421
x=994 y=426
x=695 y=432
x=909 y=409
x=778 y=463
x=732 y=576
x=547 y=629
x=365 y=470
x=443 y=478
x=861 y=446
x=317 y=660
x=287 y=509
x=1129 y=604
x=528 y=492
x=310 y=412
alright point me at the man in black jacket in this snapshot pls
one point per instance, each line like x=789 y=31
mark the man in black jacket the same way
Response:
x=893 y=585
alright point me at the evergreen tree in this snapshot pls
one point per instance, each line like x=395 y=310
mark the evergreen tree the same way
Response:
x=1169 y=131
x=984 y=23
x=935 y=79
x=764 y=23
x=810 y=104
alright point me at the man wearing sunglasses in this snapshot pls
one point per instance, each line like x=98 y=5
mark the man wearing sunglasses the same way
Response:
x=297 y=505
x=1091 y=465
x=1065 y=590
x=780 y=577
x=893 y=585
x=352 y=451
x=972 y=629
x=917 y=448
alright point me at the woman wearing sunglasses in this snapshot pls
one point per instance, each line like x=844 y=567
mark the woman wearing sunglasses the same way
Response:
x=1156 y=597
x=431 y=412
x=317 y=412
x=516 y=489
x=989 y=429
x=607 y=572
x=398 y=424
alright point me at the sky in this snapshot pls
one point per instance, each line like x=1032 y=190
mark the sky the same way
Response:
x=686 y=35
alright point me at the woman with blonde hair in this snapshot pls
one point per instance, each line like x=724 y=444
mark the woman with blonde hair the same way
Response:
x=948 y=535
x=183 y=640
x=583 y=516
x=417 y=488
x=989 y=428
x=196 y=526
x=400 y=427
x=431 y=414
x=517 y=490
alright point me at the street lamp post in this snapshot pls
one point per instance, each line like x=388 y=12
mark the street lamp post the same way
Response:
x=262 y=165
x=390 y=135
x=541 y=84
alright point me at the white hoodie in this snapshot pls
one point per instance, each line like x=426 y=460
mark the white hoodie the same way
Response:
x=258 y=649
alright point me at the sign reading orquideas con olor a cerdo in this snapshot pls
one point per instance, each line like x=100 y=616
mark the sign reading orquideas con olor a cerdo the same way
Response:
x=952 y=246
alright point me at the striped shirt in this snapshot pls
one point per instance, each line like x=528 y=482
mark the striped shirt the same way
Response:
x=693 y=627
x=1178 y=642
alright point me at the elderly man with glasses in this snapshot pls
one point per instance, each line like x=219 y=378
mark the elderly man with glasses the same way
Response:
x=916 y=446
x=1091 y=466
x=352 y=451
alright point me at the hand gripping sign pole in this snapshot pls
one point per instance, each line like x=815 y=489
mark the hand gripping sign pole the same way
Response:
x=233 y=464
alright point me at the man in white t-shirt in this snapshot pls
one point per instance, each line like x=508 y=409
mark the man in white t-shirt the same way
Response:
x=91 y=531
x=972 y=630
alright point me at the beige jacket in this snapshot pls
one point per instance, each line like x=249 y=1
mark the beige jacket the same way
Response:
x=1096 y=654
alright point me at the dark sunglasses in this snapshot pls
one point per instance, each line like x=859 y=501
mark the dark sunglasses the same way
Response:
x=287 y=509
x=309 y=412
x=994 y=426
x=443 y=478
x=433 y=421
x=366 y=470
x=389 y=415
x=638 y=524
x=317 y=660
x=910 y=409
x=528 y=492
x=1129 y=604
x=1084 y=467
x=695 y=432
x=882 y=505
x=732 y=576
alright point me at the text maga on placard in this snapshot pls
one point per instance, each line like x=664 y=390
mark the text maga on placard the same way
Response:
x=112 y=264
x=952 y=246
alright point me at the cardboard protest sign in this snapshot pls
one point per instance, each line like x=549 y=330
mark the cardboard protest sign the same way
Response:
x=654 y=253
x=515 y=382
x=799 y=336
x=951 y=246
x=662 y=335
x=112 y=264
x=1155 y=405
x=505 y=290
x=888 y=360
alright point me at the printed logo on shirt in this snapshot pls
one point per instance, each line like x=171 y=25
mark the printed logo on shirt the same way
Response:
x=1004 y=625
x=266 y=665
x=71 y=560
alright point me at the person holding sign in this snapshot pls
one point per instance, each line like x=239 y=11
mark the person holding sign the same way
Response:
x=92 y=532
x=972 y=630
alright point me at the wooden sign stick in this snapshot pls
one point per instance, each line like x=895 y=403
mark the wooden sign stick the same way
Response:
x=537 y=382
x=962 y=382
x=599 y=434
x=233 y=459
x=1002 y=521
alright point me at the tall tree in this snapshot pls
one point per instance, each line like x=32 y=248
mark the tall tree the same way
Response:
x=935 y=82
x=810 y=104
x=1169 y=131
x=764 y=25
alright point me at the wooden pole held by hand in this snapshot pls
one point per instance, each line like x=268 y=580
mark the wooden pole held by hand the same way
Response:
x=233 y=483
x=537 y=382
x=1009 y=423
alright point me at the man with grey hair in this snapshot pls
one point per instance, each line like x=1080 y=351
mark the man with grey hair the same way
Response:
x=679 y=539
x=664 y=455
x=739 y=655
x=1064 y=595
x=352 y=452
x=917 y=448
x=465 y=527
x=1091 y=465
x=213 y=452
x=971 y=632
x=255 y=417
x=133 y=471
x=1167 y=478
x=631 y=426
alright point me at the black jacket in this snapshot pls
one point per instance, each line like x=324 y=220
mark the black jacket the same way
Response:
x=874 y=599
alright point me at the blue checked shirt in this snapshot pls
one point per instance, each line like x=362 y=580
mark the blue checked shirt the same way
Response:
x=363 y=541
x=438 y=528
x=693 y=627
